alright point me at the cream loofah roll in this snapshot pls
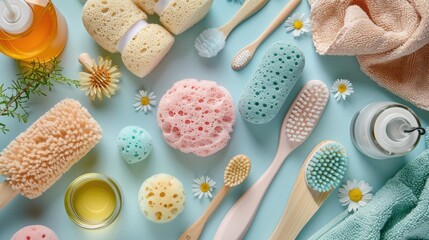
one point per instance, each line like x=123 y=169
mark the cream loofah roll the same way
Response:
x=108 y=21
x=44 y=152
x=146 y=49
x=176 y=15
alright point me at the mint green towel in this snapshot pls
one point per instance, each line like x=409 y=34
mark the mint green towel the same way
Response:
x=399 y=210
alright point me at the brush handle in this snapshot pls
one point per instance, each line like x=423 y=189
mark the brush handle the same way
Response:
x=6 y=194
x=303 y=203
x=239 y=218
x=248 y=8
x=281 y=17
x=86 y=60
x=195 y=230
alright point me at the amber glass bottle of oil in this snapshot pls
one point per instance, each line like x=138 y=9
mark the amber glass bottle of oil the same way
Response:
x=31 y=30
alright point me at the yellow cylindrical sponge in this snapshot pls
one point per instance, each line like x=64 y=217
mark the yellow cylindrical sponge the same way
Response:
x=146 y=49
x=108 y=20
x=161 y=198
x=44 y=152
x=178 y=15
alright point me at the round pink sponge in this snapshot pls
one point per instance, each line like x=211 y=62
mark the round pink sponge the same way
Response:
x=196 y=116
x=35 y=232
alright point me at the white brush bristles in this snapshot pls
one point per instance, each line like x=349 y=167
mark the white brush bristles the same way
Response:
x=241 y=59
x=210 y=42
x=38 y=157
x=306 y=110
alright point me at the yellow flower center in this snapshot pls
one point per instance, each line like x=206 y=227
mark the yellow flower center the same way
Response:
x=355 y=195
x=204 y=187
x=298 y=24
x=145 y=100
x=342 y=88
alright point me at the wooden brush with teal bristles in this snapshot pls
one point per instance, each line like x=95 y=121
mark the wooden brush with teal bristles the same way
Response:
x=321 y=173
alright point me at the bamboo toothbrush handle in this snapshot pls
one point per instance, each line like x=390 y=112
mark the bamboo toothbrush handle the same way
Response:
x=248 y=8
x=281 y=17
x=6 y=193
x=301 y=206
x=195 y=230
x=239 y=218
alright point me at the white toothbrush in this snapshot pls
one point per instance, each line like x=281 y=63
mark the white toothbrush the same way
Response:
x=243 y=57
x=299 y=122
x=211 y=41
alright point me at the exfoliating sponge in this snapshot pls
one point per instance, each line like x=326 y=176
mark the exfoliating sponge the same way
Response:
x=271 y=83
x=135 y=144
x=177 y=15
x=146 y=50
x=108 y=20
x=35 y=232
x=327 y=167
x=196 y=116
x=161 y=198
x=120 y=26
x=45 y=151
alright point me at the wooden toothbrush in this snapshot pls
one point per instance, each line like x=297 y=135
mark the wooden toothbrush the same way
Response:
x=211 y=41
x=236 y=172
x=309 y=193
x=243 y=57
x=299 y=122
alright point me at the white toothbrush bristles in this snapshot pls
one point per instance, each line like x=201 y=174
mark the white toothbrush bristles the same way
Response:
x=210 y=42
x=241 y=59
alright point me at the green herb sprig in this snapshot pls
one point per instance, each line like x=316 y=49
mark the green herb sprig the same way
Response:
x=32 y=79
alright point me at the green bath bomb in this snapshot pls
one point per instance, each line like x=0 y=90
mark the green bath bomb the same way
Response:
x=135 y=144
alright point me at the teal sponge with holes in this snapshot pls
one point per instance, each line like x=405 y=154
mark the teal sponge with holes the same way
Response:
x=277 y=73
x=135 y=144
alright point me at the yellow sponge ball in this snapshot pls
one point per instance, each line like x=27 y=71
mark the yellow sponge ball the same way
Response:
x=161 y=198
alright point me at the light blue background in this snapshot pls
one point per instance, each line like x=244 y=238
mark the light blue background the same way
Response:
x=259 y=142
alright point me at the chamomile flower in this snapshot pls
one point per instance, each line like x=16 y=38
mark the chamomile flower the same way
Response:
x=342 y=88
x=145 y=101
x=203 y=186
x=355 y=194
x=298 y=24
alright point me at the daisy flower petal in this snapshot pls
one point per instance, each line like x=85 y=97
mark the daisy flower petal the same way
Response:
x=298 y=24
x=355 y=194
x=145 y=101
x=203 y=187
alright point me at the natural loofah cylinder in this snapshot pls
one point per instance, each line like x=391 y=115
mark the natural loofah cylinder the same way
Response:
x=196 y=116
x=177 y=15
x=161 y=198
x=120 y=26
x=146 y=50
x=108 y=20
x=38 y=157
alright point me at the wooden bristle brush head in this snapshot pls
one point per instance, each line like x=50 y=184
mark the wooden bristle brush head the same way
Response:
x=236 y=171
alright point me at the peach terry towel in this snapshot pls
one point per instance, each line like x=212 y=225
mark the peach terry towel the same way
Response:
x=389 y=37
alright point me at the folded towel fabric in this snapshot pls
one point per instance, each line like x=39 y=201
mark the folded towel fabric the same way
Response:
x=389 y=37
x=399 y=210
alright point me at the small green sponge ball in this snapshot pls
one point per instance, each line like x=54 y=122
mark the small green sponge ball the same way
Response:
x=135 y=144
x=327 y=167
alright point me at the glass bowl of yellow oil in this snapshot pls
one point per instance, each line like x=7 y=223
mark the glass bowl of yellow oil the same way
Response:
x=93 y=201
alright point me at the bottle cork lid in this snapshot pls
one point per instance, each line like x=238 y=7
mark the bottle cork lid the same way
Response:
x=16 y=16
